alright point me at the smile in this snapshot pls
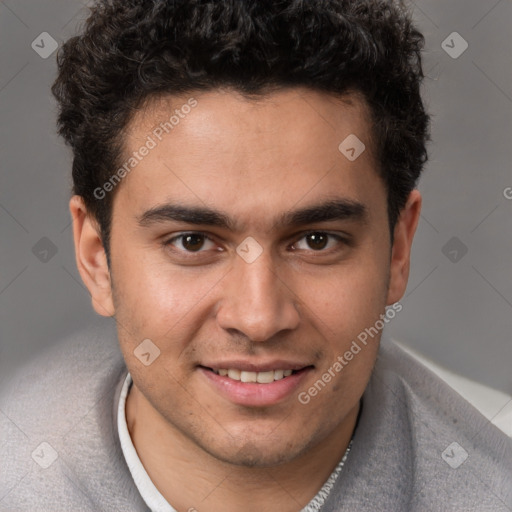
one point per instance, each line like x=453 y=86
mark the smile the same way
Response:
x=255 y=388
x=259 y=377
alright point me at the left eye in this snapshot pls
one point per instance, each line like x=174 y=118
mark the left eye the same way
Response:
x=191 y=242
x=318 y=241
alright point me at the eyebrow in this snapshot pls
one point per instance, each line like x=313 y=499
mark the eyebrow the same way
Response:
x=331 y=210
x=336 y=209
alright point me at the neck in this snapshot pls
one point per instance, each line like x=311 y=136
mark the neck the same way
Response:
x=190 y=479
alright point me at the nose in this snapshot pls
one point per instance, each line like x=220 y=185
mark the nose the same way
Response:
x=256 y=302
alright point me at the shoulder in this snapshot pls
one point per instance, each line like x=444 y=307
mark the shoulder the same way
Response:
x=71 y=372
x=418 y=445
x=456 y=454
x=429 y=396
x=57 y=425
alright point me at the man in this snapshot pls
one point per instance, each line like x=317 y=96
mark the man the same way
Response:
x=245 y=204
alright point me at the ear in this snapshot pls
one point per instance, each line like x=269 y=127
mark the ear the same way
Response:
x=91 y=259
x=401 y=250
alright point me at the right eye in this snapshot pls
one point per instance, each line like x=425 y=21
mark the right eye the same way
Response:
x=191 y=242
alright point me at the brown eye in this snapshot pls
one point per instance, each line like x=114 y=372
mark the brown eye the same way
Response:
x=192 y=242
x=317 y=241
x=320 y=241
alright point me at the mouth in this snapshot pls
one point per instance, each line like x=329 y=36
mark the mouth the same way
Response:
x=252 y=387
x=262 y=377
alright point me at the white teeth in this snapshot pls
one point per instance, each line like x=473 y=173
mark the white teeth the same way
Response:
x=260 y=377
x=265 y=377
x=234 y=374
x=248 y=376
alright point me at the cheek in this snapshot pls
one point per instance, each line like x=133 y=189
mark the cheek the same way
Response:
x=145 y=292
x=164 y=303
x=348 y=298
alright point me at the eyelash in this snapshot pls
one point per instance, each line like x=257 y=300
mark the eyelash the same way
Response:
x=183 y=235
x=191 y=254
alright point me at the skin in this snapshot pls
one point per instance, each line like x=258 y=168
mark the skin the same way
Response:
x=253 y=161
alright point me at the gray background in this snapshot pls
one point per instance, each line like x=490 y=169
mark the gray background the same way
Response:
x=458 y=307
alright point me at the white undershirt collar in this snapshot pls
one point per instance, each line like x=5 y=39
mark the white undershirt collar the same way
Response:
x=150 y=494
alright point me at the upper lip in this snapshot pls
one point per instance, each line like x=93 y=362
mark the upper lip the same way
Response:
x=250 y=366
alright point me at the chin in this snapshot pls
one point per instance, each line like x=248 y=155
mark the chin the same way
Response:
x=259 y=452
x=253 y=456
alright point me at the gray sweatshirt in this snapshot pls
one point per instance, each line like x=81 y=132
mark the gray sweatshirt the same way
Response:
x=418 y=445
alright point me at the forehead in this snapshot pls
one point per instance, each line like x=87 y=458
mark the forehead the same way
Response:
x=221 y=113
x=223 y=149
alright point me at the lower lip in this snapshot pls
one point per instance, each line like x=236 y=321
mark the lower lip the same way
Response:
x=255 y=394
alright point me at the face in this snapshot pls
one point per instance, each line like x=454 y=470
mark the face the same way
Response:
x=246 y=241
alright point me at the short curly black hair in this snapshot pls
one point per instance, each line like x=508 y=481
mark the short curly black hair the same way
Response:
x=131 y=51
